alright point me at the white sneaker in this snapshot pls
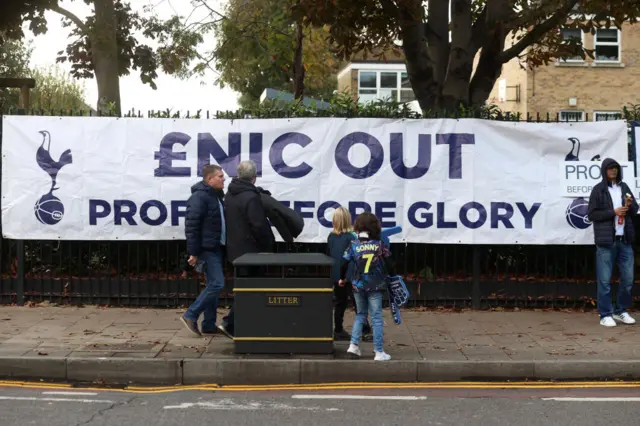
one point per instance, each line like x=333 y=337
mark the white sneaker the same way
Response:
x=354 y=350
x=608 y=322
x=382 y=356
x=625 y=318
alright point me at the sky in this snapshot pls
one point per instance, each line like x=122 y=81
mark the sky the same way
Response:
x=171 y=93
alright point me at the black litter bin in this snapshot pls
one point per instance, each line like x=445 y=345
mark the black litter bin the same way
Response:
x=283 y=303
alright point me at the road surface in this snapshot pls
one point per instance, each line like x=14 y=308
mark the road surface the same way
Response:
x=465 y=405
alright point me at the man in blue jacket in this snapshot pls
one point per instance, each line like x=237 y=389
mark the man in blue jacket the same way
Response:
x=205 y=230
x=612 y=209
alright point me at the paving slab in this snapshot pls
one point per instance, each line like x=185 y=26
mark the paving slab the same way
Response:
x=151 y=346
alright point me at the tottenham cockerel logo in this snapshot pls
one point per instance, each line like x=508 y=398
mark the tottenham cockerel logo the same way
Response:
x=49 y=210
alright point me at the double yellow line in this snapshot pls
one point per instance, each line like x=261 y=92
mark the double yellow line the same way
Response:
x=329 y=386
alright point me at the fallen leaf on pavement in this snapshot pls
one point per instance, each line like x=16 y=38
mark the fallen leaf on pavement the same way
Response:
x=42 y=353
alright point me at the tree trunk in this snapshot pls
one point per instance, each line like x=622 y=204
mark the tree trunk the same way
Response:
x=456 y=86
x=420 y=65
x=104 y=51
x=437 y=32
x=490 y=62
x=298 y=66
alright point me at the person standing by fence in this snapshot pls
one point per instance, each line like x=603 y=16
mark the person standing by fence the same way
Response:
x=612 y=209
x=205 y=231
x=372 y=265
x=337 y=243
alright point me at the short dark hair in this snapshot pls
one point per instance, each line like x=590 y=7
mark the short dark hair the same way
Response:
x=369 y=223
x=210 y=169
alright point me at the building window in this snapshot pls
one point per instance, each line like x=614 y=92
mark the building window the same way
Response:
x=574 y=35
x=607 y=45
x=606 y=115
x=502 y=90
x=571 y=115
x=384 y=85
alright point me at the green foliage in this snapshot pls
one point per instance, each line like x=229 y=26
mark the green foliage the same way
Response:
x=255 y=50
x=14 y=62
x=15 y=12
x=14 y=58
x=343 y=105
x=631 y=112
x=56 y=90
x=132 y=53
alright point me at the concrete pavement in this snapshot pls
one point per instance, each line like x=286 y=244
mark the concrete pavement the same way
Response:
x=151 y=347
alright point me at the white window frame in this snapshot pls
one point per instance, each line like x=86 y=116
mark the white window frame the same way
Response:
x=573 y=60
x=571 y=111
x=378 y=89
x=596 y=44
x=368 y=88
x=596 y=113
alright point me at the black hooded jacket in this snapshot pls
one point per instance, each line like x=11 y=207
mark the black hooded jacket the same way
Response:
x=601 y=211
x=248 y=230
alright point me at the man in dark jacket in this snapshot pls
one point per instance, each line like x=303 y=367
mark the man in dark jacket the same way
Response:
x=612 y=209
x=249 y=230
x=205 y=229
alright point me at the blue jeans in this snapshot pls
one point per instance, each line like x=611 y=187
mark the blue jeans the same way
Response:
x=207 y=301
x=606 y=257
x=369 y=302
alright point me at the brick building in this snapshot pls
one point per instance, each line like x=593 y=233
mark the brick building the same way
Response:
x=577 y=88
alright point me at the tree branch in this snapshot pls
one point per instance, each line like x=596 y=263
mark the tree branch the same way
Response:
x=478 y=31
x=437 y=33
x=558 y=18
x=390 y=8
x=64 y=12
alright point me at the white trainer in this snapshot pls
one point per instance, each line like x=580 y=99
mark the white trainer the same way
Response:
x=382 y=356
x=624 y=318
x=608 y=322
x=354 y=350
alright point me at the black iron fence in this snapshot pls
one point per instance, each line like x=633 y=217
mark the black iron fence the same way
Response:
x=155 y=274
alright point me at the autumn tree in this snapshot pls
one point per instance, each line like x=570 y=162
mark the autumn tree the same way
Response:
x=107 y=43
x=259 y=44
x=14 y=63
x=439 y=52
x=55 y=89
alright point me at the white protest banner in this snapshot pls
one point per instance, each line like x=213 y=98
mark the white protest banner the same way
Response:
x=579 y=177
x=635 y=137
x=466 y=181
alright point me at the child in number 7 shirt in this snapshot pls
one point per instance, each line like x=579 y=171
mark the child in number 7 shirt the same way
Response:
x=372 y=265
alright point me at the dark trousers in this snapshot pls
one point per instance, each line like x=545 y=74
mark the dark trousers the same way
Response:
x=342 y=297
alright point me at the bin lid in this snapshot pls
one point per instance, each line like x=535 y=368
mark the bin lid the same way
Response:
x=283 y=259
